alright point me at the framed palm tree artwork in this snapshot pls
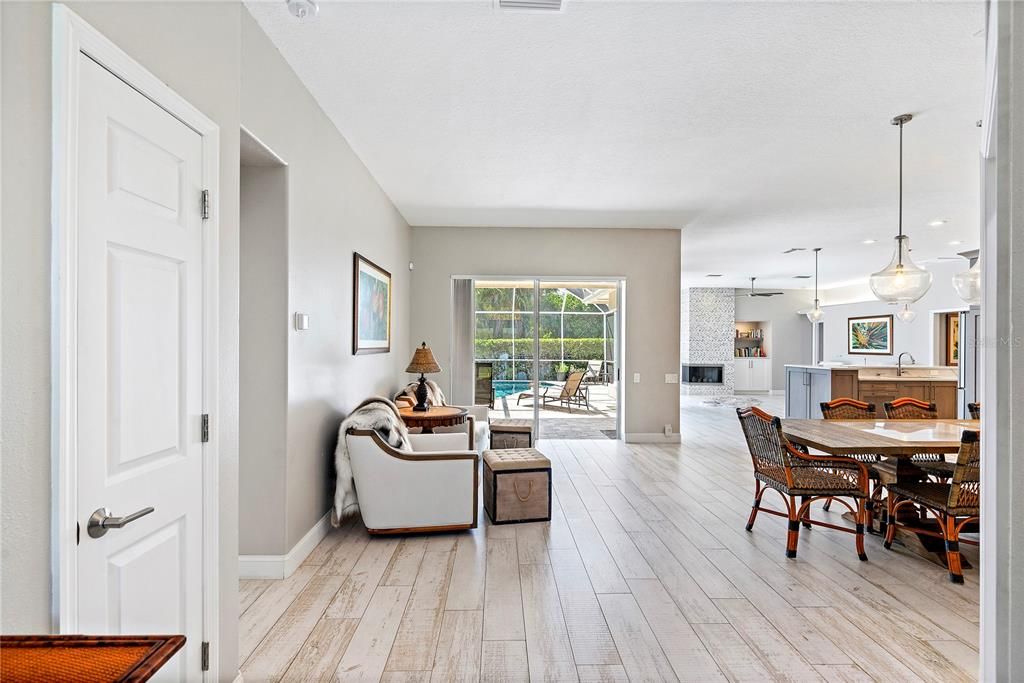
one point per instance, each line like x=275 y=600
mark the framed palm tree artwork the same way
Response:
x=870 y=335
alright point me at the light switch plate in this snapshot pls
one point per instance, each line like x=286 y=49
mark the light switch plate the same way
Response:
x=636 y=378
x=671 y=379
x=301 y=321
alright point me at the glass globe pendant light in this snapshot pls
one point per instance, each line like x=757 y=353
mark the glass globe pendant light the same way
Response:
x=816 y=314
x=906 y=314
x=901 y=282
x=968 y=284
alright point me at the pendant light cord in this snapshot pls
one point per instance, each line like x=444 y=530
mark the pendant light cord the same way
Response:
x=900 y=241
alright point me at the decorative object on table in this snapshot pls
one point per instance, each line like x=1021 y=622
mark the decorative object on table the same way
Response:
x=423 y=362
x=870 y=335
x=371 y=307
x=433 y=417
x=431 y=486
x=517 y=486
x=118 y=659
x=511 y=433
x=801 y=479
x=435 y=396
x=902 y=281
x=953 y=505
x=952 y=339
x=815 y=315
x=376 y=413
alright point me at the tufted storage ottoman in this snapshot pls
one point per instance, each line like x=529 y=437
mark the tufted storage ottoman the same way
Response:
x=511 y=433
x=517 y=485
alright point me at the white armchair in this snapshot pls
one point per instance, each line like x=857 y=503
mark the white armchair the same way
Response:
x=432 y=487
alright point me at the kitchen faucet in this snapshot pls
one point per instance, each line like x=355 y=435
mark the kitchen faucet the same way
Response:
x=899 y=362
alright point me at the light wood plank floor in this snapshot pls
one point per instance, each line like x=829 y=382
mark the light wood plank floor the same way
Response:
x=645 y=573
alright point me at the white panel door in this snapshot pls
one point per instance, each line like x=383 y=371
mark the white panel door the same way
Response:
x=139 y=398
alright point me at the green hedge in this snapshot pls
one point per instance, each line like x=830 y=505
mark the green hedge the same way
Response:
x=575 y=349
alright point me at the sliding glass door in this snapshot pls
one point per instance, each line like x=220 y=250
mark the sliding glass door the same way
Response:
x=547 y=351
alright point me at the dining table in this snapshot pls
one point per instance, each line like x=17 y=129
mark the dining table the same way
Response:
x=895 y=442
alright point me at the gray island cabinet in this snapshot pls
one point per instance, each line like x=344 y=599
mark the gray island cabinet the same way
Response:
x=807 y=386
x=806 y=389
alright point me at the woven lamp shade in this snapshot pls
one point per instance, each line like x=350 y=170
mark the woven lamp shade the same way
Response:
x=423 y=361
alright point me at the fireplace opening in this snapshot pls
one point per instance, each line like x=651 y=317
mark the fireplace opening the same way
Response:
x=701 y=374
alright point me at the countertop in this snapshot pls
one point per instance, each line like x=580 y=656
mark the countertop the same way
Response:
x=887 y=373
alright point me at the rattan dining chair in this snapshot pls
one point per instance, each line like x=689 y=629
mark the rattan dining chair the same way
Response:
x=796 y=475
x=954 y=505
x=907 y=408
x=852 y=409
x=975 y=410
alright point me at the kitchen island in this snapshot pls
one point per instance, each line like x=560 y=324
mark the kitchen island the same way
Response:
x=807 y=386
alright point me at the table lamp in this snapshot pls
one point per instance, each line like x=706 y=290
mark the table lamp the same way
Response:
x=422 y=362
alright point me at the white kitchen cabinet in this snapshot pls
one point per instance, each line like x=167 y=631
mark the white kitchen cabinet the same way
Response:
x=753 y=374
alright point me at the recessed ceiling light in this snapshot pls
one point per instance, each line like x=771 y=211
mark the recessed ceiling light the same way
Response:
x=870 y=241
x=801 y=277
x=792 y=249
x=937 y=222
x=955 y=243
x=713 y=275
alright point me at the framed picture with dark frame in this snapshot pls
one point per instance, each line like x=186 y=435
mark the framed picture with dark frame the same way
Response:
x=371 y=307
x=869 y=335
x=952 y=339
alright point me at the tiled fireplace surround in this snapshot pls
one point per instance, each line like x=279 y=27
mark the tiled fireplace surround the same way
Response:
x=707 y=337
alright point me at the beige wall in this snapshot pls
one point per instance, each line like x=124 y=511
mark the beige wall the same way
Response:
x=263 y=360
x=335 y=207
x=648 y=259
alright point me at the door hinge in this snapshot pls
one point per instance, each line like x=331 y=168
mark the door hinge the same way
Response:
x=205 y=204
x=205 y=655
x=78 y=533
x=205 y=429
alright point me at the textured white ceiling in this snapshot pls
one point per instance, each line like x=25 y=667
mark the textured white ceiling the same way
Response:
x=753 y=126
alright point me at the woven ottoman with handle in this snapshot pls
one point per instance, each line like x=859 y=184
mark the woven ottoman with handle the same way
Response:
x=517 y=485
x=511 y=433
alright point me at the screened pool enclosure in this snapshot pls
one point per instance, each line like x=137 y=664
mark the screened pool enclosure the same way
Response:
x=576 y=324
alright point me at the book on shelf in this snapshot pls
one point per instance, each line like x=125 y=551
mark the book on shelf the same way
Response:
x=750 y=352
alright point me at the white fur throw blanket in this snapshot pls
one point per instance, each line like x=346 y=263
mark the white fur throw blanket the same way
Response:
x=375 y=413
x=435 y=397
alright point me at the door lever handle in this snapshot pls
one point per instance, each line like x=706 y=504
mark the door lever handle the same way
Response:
x=101 y=521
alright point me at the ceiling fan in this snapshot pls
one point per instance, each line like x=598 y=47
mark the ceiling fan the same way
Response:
x=753 y=293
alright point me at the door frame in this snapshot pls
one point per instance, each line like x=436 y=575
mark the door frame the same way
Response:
x=74 y=39
x=620 y=331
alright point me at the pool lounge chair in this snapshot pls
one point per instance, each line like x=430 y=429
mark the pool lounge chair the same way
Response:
x=573 y=392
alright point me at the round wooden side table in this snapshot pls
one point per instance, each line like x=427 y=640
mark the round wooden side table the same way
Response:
x=434 y=416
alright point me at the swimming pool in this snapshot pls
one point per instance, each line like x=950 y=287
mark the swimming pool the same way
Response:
x=505 y=387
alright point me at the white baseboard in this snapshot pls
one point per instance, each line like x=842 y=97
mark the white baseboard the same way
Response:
x=652 y=437
x=283 y=566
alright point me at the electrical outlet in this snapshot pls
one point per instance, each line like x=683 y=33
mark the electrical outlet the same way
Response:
x=671 y=378
x=636 y=378
x=668 y=430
